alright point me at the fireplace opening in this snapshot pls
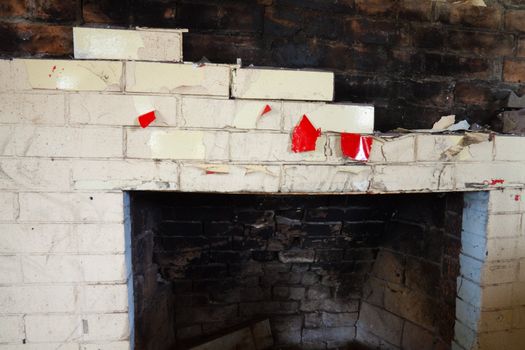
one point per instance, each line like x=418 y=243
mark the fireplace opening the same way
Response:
x=323 y=271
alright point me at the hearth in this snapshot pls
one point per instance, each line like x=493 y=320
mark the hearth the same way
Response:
x=327 y=271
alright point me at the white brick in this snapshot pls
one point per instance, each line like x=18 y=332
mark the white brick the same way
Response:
x=412 y=178
x=53 y=207
x=52 y=268
x=433 y=148
x=32 y=108
x=104 y=298
x=113 y=109
x=283 y=84
x=11 y=329
x=507 y=200
x=508 y=148
x=10 y=270
x=319 y=178
x=107 y=327
x=121 y=345
x=174 y=78
x=393 y=150
x=155 y=143
x=497 y=296
x=229 y=178
x=220 y=113
x=118 y=44
x=104 y=268
x=48 y=238
x=271 y=147
x=34 y=174
x=501 y=249
x=53 y=328
x=62 y=141
x=6 y=75
x=100 y=238
x=8 y=206
x=504 y=225
x=126 y=174
x=8 y=140
x=67 y=75
x=499 y=272
x=479 y=173
x=340 y=117
x=36 y=298
x=40 y=346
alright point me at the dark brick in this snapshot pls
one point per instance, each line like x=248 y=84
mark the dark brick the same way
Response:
x=181 y=228
x=428 y=37
x=36 y=39
x=321 y=229
x=376 y=7
x=56 y=10
x=449 y=65
x=368 y=31
x=469 y=16
x=261 y=255
x=483 y=44
x=514 y=20
x=329 y=255
x=416 y=10
x=14 y=8
x=514 y=70
x=223 y=229
x=324 y=214
x=114 y=12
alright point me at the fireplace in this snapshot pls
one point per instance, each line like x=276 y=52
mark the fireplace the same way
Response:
x=327 y=271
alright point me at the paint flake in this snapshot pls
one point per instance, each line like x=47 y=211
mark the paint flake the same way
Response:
x=304 y=136
x=356 y=146
x=146 y=119
x=267 y=109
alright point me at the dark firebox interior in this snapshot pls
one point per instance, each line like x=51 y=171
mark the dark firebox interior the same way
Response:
x=328 y=271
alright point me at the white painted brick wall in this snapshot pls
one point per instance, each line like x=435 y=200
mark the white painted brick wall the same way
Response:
x=11 y=329
x=32 y=108
x=8 y=206
x=35 y=174
x=104 y=298
x=10 y=270
x=28 y=299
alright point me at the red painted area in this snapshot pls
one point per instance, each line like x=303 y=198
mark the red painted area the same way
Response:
x=54 y=68
x=304 y=136
x=147 y=119
x=209 y=172
x=266 y=109
x=517 y=198
x=356 y=146
x=497 y=182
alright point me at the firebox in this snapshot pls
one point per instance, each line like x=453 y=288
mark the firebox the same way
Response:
x=325 y=271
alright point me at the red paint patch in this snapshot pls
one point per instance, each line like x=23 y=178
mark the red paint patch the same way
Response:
x=497 y=182
x=304 y=136
x=266 y=109
x=54 y=68
x=356 y=146
x=517 y=198
x=209 y=172
x=147 y=119
x=49 y=75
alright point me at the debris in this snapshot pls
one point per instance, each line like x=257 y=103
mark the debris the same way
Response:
x=266 y=109
x=201 y=63
x=494 y=182
x=513 y=101
x=462 y=125
x=467 y=140
x=214 y=168
x=304 y=136
x=356 y=146
x=239 y=62
x=146 y=119
x=444 y=122
x=513 y=122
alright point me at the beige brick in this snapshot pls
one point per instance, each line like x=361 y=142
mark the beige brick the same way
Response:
x=155 y=143
x=499 y=272
x=40 y=346
x=100 y=238
x=52 y=268
x=24 y=108
x=67 y=75
x=433 y=148
x=34 y=174
x=272 y=147
x=175 y=78
x=8 y=140
x=283 y=84
x=10 y=270
x=518 y=294
x=125 y=174
x=121 y=345
x=336 y=117
x=6 y=75
x=104 y=298
x=507 y=200
x=521 y=270
x=507 y=148
x=11 y=329
x=8 y=206
x=53 y=328
x=239 y=114
x=319 y=178
x=85 y=207
x=504 y=225
x=96 y=268
x=479 y=173
x=518 y=317
x=48 y=141
x=113 y=109
x=107 y=327
x=26 y=238
x=491 y=321
x=229 y=178
x=412 y=178
x=393 y=150
x=497 y=296
x=501 y=249
x=37 y=298
x=118 y=44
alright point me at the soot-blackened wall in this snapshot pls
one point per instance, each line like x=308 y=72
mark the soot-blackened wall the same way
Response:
x=328 y=271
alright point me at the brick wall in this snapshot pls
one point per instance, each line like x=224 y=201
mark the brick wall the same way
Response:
x=415 y=60
x=322 y=268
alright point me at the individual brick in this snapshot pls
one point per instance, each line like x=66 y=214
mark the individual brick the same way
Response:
x=483 y=44
x=24 y=38
x=238 y=114
x=178 y=78
x=10 y=270
x=441 y=147
x=55 y=10
x=26 y=238
x=100 y=238
x=52 y=328
x=70 y=207
x=393 y=150
x=52 y=269
x=44 y=174
x=467 y=15
x=521 y=48
x=37 y=299
x=118 y=44
x=380 y=322
x=514 y=70
x=229 y=178
x=47 y=141
x=318 y=178
x=508 y=200
x=104 y=298
x=479 y=173
x=156 y=143
x=339 y=117
x=410 y=177
x=95 y=268
x=504 y=225
x=11 y=329
x=67 y=75
x=514 y=20
x=8 y=206
x=375 y=7
x=14 y=8
x=507 y=147
x=283 y=84
x=113 y=109
x=32 y=109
